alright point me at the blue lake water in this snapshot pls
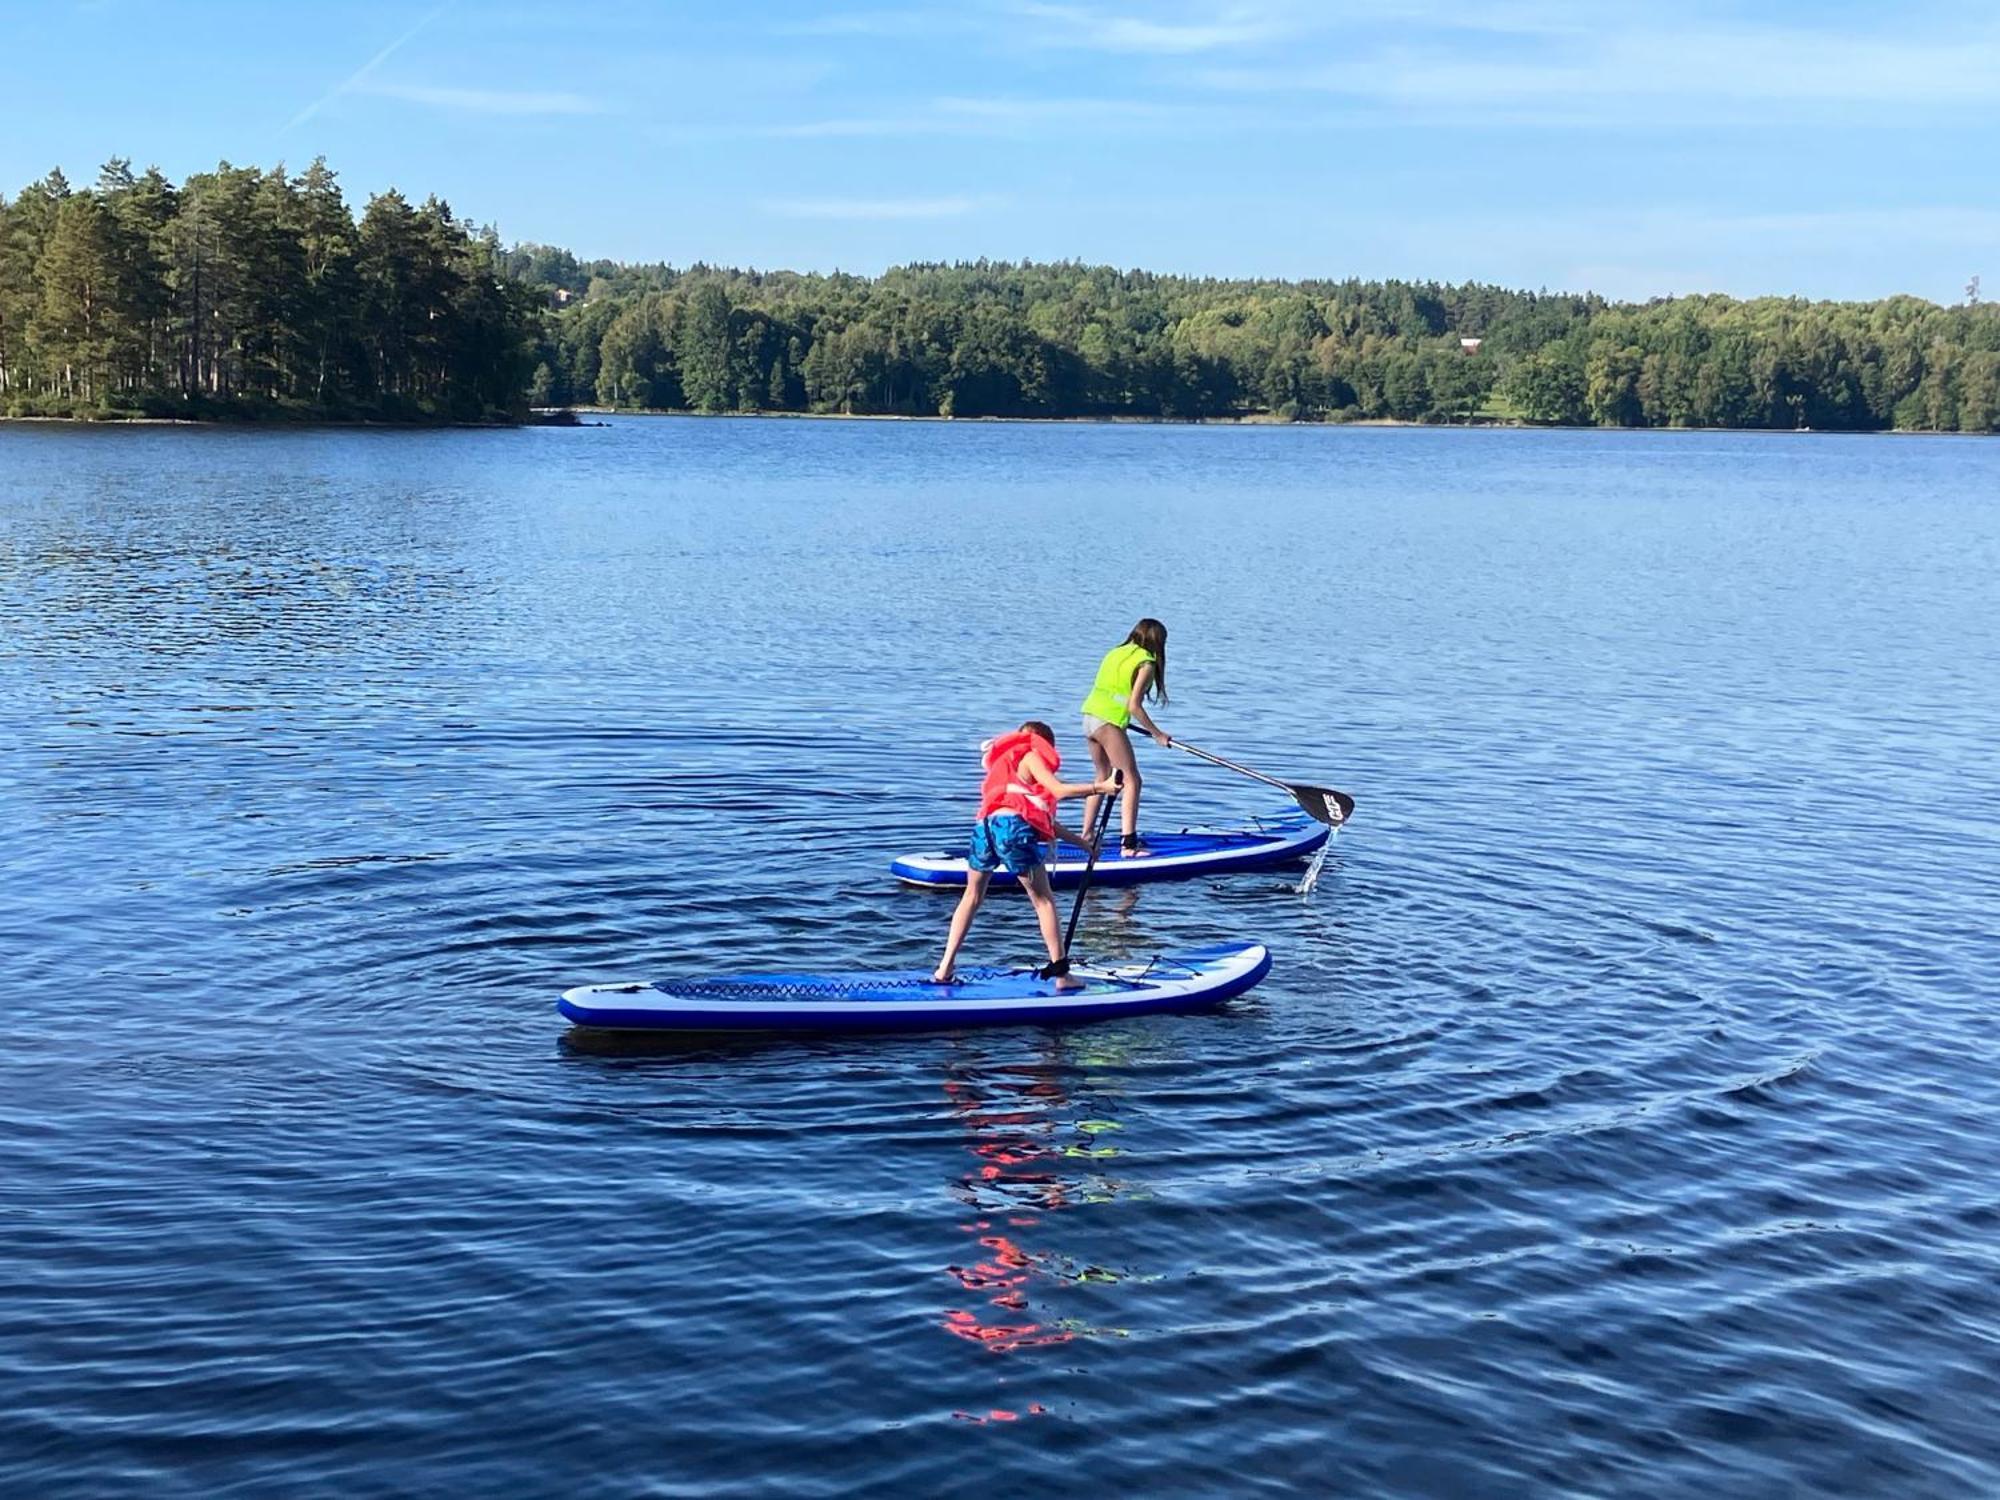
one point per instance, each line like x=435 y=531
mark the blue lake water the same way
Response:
x=1620 y=1118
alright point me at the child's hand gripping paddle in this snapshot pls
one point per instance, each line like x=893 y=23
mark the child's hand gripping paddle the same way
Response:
x=1322 y=802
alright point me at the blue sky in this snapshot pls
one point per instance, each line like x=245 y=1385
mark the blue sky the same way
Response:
x=1832 y=149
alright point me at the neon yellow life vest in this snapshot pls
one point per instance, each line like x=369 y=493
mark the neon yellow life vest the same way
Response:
x=1111 y=699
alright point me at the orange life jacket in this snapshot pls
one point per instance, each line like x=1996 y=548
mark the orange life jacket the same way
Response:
x=1007 y=790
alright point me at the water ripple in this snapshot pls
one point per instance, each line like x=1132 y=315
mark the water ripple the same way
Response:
x=1617 y=1119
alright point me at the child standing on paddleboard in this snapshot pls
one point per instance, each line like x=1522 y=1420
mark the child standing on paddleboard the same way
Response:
x=1017 y=817
x=1129 y=673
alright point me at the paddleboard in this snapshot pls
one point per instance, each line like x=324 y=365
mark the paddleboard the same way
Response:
x=1172 y=856
x=909 y=1000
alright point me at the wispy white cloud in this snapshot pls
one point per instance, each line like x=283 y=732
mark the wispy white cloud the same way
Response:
x=485 y=101
x=360 y=75
x=1912 y=224
x=1016 y=110
x=964 y=116
x=916 y=24
x=875 y=208
x=1677 y=248
x=1107 y=31
x=852 y=128
x=1537 y=64
x=1322 y=67
x=835 y=129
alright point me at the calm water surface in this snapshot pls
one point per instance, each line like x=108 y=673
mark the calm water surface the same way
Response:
x=1619 y=1119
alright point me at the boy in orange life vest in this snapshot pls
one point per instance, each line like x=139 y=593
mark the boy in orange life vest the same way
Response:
x=1017 y=816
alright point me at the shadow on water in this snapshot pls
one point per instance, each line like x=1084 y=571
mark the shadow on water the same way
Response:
x=587 y=1042
x=605 y=1042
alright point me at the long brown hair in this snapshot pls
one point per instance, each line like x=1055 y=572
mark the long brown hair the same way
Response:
x=1151 y=635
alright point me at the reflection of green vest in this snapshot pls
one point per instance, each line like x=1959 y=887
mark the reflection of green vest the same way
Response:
x=1111 y=698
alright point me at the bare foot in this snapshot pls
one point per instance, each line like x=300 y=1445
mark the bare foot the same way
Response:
x=1067 y=983
x=944 y=978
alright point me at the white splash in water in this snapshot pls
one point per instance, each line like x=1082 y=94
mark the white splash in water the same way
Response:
x=1318 y=864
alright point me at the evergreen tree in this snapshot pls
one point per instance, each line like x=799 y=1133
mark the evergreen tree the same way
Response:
x=76 y=324
x=328 y=285
x=24 y=231
x=701 y=339
x=142 y=208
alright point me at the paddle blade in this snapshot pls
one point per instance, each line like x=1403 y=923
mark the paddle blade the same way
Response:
x=1324 y=803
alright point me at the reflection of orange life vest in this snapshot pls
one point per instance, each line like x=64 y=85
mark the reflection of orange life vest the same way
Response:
x=1007 y=790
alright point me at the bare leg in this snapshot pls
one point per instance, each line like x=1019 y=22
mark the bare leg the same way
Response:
x=1037 y=887
x=1117 y=748
x=961 y=921
x=1101 y=763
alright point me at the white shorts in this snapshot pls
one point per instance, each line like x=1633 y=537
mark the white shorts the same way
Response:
x=1091 y=724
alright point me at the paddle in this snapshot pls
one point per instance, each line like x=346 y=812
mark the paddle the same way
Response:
x=1061 y=965
x=1322 y=802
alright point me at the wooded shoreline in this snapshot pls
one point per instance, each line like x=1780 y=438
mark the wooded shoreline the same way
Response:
x=1261 y=420
x=245 y=294
x=258 y=296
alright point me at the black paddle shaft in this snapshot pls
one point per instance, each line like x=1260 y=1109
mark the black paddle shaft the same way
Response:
x=1322 y=802
x=1096 y=843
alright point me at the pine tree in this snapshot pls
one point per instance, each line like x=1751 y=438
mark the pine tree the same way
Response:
x=24 y=230
x=325 y=305
x=142 y=209
x=76 y=322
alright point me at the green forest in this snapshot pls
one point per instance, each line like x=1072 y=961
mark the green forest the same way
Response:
x=994 y=339
x=245 y=293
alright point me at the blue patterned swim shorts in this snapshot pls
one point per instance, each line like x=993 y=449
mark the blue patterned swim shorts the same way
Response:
x=1005 y=839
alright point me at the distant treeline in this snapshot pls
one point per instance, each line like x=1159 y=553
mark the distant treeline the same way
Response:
x=247 y=292
x=995 y=339
x=252 y=293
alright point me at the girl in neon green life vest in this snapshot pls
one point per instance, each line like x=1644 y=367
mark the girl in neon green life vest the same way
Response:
x=1129 y=674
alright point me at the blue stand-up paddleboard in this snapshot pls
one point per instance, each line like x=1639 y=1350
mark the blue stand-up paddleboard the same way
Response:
x=911 y=1001
x=1278 y=840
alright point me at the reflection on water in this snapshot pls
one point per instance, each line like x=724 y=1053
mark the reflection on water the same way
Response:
x=1033 y=1163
